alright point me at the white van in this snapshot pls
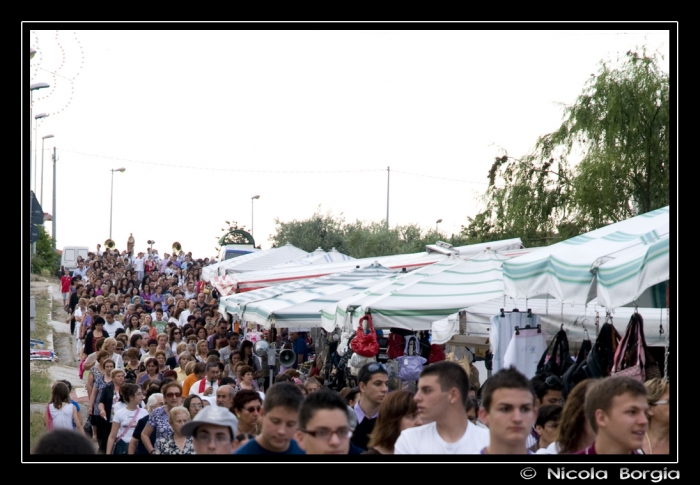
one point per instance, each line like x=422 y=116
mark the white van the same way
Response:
x=69 y=256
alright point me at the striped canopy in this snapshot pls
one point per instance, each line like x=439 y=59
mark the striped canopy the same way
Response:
x=302 y=308
x=256 y=261
x=617 y=262
x=417 y=300
x=317 y=257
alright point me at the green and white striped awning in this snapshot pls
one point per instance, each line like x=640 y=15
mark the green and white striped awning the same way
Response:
x=616 y=263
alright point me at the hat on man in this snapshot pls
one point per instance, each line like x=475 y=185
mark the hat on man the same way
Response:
x=215 y=415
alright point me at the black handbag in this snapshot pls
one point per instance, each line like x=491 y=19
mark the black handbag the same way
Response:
x=559 y=358
x=600 y=359
x=576 y=374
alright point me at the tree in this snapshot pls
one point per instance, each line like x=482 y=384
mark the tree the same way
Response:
x=234 y=234
x=359 y=239
x=619 y=123
x=46 y=256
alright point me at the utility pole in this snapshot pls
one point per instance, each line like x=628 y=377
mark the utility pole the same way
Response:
x=387 y=197
x=53 y=208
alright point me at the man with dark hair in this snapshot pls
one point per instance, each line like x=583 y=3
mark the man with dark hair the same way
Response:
x=233 y=345
x=508 y=409
x=373 y=381
x=63 y=442
x=220 y=333
x=324 y=428
x=546 y=425
x=616 y=408
x=280 y=419
x=206 y=388
x=442 y=396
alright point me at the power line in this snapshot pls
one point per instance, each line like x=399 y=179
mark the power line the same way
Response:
x=266 y=171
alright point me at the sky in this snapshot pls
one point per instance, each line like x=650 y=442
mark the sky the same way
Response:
x=309 y=120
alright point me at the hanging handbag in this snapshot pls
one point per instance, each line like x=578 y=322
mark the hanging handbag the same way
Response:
x=394 y=347
x=120 y=449
x=575 y=374
x=410 y=365
x=365 y=344
x=556 y=360
x=631 y=355
x=437 y=353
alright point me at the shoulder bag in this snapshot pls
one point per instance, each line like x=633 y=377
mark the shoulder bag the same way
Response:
x=365 y=344
x=410 y=366
x=556 y=360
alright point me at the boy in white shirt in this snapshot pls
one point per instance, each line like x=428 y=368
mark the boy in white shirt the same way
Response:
x=442 y=393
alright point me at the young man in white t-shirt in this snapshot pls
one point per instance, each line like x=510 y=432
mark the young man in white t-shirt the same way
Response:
x=508 y=409
x=441 y=398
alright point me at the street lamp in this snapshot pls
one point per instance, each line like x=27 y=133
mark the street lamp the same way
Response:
x=111 y=196
x=36 y=130
x=251 y=213
x=41 y=193
x=436 y=224
x=32 y=88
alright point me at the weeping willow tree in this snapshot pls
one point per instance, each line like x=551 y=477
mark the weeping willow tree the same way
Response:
x=619 y=128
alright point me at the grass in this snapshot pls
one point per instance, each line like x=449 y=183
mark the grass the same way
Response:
x=41 y=320
x=39 y=383
x=36 y=428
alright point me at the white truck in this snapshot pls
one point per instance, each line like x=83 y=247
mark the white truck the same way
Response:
x=69 y=256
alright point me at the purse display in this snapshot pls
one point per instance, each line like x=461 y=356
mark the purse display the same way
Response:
x=410 y=366
x=365 y=344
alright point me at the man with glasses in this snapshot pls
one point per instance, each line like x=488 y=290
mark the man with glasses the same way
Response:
x=324 y=428
x=373 y=382
x=213 y=430
x=206 y=388
x=441 y=398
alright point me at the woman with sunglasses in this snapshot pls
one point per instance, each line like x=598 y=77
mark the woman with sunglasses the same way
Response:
x=175 y=338
x=176 y=443
x=160 y=418
x=247 y=406
x=397 y=412
x=656 y=440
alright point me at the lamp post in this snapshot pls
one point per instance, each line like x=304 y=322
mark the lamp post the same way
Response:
x=111 y=196
x=53 y=206
x=32 y=88
x=41 y=193
x=436 y=224
x=36 y=131
x=251 y=213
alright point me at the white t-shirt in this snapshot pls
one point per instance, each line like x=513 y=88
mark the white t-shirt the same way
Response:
x=113 y=327
x=138 y=264
x=124 y=417
x=552 y=449
x=62 y=418
x=425 y=440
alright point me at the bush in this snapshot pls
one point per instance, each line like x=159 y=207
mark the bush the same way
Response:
x=46 y=256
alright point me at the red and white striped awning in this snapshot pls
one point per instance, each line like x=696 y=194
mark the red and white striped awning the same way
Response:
x=225 y=285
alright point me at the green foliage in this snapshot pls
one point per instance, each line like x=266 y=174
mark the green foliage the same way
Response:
x=46 y=257
x=619 y=125
x=359 y=239
x=39 y=385
x=231 y=237
x=36 y=428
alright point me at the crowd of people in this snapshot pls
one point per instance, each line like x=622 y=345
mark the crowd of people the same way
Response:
x=167 y=374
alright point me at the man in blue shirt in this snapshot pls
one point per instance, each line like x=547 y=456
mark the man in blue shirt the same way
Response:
x=279 y=418
x=299 y=347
